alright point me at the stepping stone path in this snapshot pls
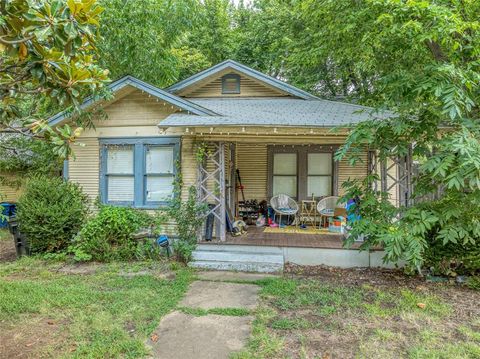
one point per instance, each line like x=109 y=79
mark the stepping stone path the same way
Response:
x=209 y=295
x=211 y=336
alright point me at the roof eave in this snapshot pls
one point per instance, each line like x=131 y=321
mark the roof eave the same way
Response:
x=180 y=125
x=143 y=86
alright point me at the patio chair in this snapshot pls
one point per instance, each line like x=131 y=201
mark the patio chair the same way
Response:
x=284 y=206
x=326 y=208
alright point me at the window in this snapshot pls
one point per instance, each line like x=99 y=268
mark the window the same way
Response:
x=231 y=84
x=138 y=172
x=120 y=174
x=159 y=173
x=285 y=174
x=302 y=171
x=319 y=174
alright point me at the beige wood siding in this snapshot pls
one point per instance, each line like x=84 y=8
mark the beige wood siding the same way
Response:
x=9 y=193
x=84 y=167
x=135 y=109
x=252 y=163
x=189 y=165
x=249 y=87
x=348 y=172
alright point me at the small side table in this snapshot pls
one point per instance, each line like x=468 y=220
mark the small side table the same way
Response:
x=308 y=212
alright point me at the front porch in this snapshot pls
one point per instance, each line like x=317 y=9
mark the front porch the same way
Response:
x=260 y=251
x=268 y=165
x=306 y=171
x=258 y=236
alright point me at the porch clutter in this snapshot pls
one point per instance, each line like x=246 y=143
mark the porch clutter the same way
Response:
x=296 y=230
x=285 y=215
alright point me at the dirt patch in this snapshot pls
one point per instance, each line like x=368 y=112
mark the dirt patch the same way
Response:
x=384 y=322
x=355 y=276
x=31 y=339
x=169 y=275
x=130 y=328
x=79 y=268
x=7 y=247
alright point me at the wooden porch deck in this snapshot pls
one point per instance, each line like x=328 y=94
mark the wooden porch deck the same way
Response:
x=256 y=236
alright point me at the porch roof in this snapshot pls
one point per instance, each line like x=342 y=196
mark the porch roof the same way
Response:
x=274 y=112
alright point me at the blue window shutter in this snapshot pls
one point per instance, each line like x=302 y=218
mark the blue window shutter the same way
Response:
x=139 y=169
x=103 y=177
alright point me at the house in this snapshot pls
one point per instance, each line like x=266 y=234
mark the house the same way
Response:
x=8 y=191
x=277 y=136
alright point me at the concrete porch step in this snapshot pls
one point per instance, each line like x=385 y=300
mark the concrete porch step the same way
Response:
x=224 y=259
x=238 y=266
x=219 y=247
x=237 y=257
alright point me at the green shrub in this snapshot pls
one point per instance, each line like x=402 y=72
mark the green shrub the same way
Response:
x=188 y=216
x=452 y=258
x=109 y=235
x=50 y=213
x=474 y=282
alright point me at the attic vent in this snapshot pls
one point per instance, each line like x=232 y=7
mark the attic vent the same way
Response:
x=231 y=84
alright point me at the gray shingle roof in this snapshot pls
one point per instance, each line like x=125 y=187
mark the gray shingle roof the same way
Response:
x=274 y=112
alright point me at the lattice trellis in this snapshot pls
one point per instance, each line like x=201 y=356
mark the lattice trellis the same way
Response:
x=211 y=185
x=396 y=175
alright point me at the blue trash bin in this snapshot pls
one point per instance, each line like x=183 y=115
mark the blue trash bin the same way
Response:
x=5 y=211
x=13 y=209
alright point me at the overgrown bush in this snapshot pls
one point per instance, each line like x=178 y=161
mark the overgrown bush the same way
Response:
x=442 y=236
x=452 y=258
x=50 y=213
x=109 y=235
x=474 y=283
x=188 y=216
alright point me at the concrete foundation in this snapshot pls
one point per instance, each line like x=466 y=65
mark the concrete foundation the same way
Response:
x=343 y=258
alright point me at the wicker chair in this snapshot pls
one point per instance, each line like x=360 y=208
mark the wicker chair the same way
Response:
x=326 y=208
x=284 y=206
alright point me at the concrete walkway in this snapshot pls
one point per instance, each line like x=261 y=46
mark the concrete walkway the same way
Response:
x=188 y=336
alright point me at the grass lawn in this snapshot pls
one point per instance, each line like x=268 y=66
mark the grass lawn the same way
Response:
x=364 y=314
x=4 y=235
x=53 y=309
x=84 y=311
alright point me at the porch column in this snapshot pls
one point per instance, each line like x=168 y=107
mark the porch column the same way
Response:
x=211 y=185
x=395 y=173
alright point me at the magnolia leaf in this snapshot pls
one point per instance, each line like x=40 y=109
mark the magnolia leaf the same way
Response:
x=22 y=51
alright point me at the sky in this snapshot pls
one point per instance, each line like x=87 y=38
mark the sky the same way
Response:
x=246 y=2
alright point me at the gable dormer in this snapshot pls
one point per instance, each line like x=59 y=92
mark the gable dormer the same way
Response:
x=231 y=79
x=231 y=84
